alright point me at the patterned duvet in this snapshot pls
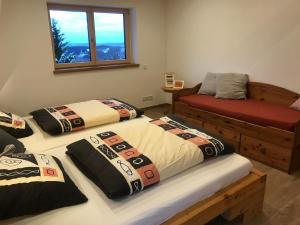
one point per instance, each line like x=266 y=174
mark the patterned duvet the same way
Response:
x=78 y=116
x=127 y=161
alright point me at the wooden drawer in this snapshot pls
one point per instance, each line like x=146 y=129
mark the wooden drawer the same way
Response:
x=198 y=123
x=227 y=134
x=188 y=114
x=265 y=152
x=182 y=109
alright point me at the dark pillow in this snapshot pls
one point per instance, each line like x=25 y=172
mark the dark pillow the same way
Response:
x=14 y=125
x=10 y=144
x=32 y=183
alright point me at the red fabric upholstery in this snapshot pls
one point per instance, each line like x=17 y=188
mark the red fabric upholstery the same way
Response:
x=253 y=111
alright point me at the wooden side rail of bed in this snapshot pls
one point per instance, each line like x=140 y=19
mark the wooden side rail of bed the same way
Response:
x=273 y=146
x=243 y=198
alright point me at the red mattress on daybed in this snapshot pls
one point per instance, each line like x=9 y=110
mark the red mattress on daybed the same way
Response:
x=250 y=110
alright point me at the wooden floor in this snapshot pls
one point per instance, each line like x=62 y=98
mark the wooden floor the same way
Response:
x=282 y=199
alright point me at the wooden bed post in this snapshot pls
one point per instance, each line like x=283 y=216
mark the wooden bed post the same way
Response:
x=250 y=206
x=184 y=92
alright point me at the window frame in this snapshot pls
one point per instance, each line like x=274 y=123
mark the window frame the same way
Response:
x=90 y=10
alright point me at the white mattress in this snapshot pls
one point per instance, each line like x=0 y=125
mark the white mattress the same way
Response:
x=149 y=207
x=41 y=141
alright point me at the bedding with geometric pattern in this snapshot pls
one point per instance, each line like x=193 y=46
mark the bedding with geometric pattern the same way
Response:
x=78 y=116
x=14 y=125
x=34 y=183
x=126 y=161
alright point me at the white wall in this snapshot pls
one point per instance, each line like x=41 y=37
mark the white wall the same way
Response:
x=256 y=37
x=26 y=58
x=3 y=75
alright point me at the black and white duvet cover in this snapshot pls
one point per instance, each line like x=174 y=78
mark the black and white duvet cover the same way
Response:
x=14 y=125
x=34 y=183
x=78 y=116
x=130 y=160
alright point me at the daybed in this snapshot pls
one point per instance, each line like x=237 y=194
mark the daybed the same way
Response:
x=263 y=127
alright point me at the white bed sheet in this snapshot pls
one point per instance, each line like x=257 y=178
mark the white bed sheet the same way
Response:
x=40 y=141
x=150 y=207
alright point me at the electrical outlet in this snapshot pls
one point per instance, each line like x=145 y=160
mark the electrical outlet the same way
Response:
x=147 y=98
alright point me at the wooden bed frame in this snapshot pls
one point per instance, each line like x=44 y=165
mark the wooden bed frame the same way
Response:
x=243 y=198
x=275 y=147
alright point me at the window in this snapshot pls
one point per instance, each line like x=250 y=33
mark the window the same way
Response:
x=89 y=37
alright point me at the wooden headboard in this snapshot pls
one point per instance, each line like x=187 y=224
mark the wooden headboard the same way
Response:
x=271 y=93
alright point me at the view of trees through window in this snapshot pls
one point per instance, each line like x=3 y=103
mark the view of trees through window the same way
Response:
x=71 y=36
x=110 y=41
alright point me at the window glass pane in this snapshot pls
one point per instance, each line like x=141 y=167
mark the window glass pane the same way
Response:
x=70 y=36
x=110 y=36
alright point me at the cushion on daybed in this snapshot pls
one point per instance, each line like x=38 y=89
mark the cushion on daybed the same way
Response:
x=208 y=86
x=296 y=105
x=250 y=110
x=231 y=86
x=78 y=116
x=33 y=183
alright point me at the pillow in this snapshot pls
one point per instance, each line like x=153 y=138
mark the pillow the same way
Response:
x=208 y=86
x=32 y=183
x=10 y=144
x=232 y=86
x=296 y=105
x=14 y=125
x=78 y=116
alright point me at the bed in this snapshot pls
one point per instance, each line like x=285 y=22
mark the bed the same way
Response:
x=232 y=188
x=154 y=206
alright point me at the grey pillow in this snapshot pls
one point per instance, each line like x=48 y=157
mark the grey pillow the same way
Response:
x=208 y=86
x=232 y=86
